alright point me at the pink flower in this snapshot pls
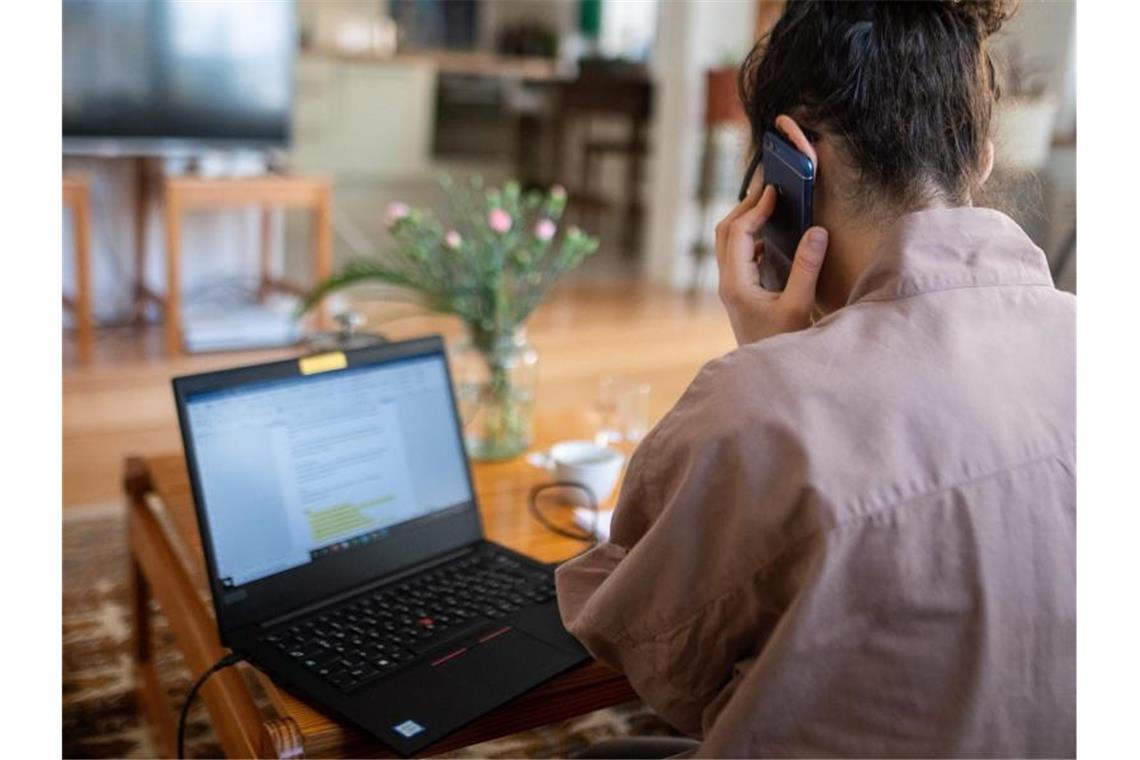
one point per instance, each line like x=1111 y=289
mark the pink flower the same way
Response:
x=452 y=240
x=396 y=212
x=544 y=230
x=499 y=221
x=558 y=193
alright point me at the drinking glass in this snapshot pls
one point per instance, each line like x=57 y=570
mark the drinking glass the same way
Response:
x=623 y=410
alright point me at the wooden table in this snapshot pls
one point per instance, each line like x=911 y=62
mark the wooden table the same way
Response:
x=167 y=566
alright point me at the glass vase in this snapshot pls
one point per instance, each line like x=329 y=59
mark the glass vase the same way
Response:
x=495 y=378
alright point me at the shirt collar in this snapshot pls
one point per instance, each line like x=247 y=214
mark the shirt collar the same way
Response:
x=946 y=248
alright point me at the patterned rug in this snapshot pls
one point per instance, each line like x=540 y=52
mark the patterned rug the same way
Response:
x=101 y=717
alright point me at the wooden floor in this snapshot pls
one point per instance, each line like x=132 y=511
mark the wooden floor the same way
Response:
x=121 y=403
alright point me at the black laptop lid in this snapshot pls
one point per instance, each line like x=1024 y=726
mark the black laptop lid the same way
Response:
x=314 y=476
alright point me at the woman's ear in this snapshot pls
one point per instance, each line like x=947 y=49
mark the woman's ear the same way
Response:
x=987 y=162
x=791 y=130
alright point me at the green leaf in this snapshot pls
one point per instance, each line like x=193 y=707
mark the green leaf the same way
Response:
x=354 y=273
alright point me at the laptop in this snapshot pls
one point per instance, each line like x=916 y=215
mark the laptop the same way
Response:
x=344 y=546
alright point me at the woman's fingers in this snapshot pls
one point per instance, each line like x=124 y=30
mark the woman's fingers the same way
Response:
x=750 y=200
x=749 y=221
x=757 y=262
x=799 y=294
x=741 y=231
x=737 y=251
x=738 y=243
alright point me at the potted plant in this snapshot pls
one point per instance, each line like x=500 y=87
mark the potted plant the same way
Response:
x=489 y=259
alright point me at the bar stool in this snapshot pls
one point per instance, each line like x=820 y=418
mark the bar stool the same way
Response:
x=77 y=199
x=181 y=194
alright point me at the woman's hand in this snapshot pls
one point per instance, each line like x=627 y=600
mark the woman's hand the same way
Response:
x=756 y=313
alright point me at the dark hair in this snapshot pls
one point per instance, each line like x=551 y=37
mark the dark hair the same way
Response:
x=907 y=88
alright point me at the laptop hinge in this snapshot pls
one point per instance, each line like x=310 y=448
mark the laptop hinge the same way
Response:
x=364 y=587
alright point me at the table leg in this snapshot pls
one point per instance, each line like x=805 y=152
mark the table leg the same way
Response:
x=322 y=251
x=631 y=243
x=150 y=695
x=558 y=145
x=265 y=283
x=85 y=326
x=142 y=196
x=173 y=301
x=159 y=572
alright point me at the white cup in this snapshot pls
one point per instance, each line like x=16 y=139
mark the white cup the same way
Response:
x=585 y=462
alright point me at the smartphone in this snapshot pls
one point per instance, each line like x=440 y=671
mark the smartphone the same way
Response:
x=792 y=173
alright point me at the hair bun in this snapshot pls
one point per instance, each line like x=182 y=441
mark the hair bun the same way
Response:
x=990 y=15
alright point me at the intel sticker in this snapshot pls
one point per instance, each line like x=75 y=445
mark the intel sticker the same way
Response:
x=408 y=729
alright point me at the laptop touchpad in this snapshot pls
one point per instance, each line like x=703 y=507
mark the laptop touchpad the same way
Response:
x=508 y=658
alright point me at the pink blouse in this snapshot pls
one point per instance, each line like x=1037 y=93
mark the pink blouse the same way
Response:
x=859 y=539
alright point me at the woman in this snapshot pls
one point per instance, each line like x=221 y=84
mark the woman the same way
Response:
x=856 y=536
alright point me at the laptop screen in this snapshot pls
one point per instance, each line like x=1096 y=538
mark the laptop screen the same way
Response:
x=296 y=470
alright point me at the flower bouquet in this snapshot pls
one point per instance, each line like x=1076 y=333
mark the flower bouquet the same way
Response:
x=489 y=260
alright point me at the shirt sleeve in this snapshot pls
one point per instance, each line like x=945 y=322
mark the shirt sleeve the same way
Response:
x=674 y=598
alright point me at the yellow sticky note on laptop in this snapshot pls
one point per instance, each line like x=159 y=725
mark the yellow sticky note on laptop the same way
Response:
x=311 y=365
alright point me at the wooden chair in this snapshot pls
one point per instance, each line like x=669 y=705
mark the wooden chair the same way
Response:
x=181 y=194
x=609 y=90
x=77 y=199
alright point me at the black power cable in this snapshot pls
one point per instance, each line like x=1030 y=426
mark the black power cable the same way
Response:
x=233 y=658
x=589 y=536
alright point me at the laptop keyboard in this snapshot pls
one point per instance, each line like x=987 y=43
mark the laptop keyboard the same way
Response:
x=382 y=631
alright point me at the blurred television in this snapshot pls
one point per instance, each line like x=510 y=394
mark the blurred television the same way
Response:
x=164 y=77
